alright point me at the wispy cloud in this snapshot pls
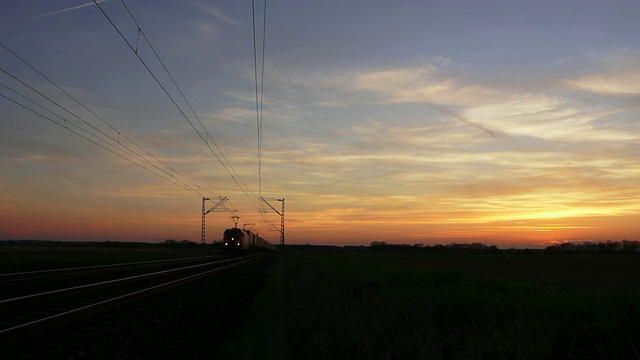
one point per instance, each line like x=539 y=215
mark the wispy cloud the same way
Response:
x=235 y=114
x=68 y=9
x=621 y=75
x=538 y=113
x=546 y=117
x=207 y=28
x=461 y=118
x=623 y=83
x=422 y=84
x=215 y=12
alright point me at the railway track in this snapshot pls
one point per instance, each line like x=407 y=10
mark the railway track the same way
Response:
x=25 y=283
x=33 y=315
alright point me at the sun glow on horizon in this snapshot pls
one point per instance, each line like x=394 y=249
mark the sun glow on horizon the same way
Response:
x=372 y=132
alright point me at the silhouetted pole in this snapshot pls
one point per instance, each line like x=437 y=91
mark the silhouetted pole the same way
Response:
x=215 y=207
x=282 y=225
x=281 y=213
x=203 y=223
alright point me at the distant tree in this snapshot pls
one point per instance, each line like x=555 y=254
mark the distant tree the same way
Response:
x=630 y=246
x=178 y=243
x=588 y=247
x=379 y=243
x=612 y=246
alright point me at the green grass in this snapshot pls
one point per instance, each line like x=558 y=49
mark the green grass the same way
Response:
x=404 y=306
x=32 y=257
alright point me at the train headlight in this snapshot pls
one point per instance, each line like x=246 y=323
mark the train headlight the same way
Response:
x=238 y=244
x=225 y=244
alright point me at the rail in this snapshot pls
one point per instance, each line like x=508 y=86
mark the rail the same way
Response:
x=51 y=321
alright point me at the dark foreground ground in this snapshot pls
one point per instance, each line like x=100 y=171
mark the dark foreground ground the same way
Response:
x=342 y=304
x=19 y=256
x=363 y=305
x=190 y=322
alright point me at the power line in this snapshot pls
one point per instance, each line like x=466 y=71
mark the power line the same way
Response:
x=255 y=76
x=207 y=139
x=65 y=126
x=172 y=172
x=259 y=94
x=105 y=146
x=264 y=37
x=104 y=138
x=234 y=175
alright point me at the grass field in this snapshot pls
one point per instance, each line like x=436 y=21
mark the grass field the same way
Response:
x=349 y=305
x=17 y=257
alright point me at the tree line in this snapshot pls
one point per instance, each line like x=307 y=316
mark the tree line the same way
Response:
x=608 y=247
x=602 y=247
x=458 y=248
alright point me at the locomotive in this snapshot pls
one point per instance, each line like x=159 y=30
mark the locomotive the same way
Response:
x=240 y=240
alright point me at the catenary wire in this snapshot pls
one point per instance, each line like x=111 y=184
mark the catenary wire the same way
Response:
x=172 y=172
x=107 y=136
x=208 y=135
x=260 y=92
x=140 y=31
x=65 y=126
x=255 y=76
x=68 y=122
x=260 y=98
x=235 y=176
x=261 y=134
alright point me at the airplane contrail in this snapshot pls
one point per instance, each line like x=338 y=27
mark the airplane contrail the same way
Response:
x=69 y=9
x=461 y=118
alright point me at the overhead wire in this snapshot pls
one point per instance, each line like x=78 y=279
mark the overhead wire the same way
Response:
x=260 y=100
x=260 y=84
x=264 y=39
x=65 y=126
x=108 y=142
x=255 y=76
x=259 y=94
x=172 y=172
x=101 y=142
x=111 y=143
x=234 y=175
x=208 y=135
x=207 y=138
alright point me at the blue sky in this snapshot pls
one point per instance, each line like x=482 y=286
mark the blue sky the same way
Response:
x=508 y=122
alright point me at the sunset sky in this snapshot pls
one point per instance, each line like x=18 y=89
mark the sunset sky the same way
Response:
x=507 y=122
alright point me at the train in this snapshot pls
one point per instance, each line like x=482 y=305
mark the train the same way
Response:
x=239 y=240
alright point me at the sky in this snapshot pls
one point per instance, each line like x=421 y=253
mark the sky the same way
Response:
x=506 y=122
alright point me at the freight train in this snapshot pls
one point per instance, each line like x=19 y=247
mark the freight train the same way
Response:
x=236 y=240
